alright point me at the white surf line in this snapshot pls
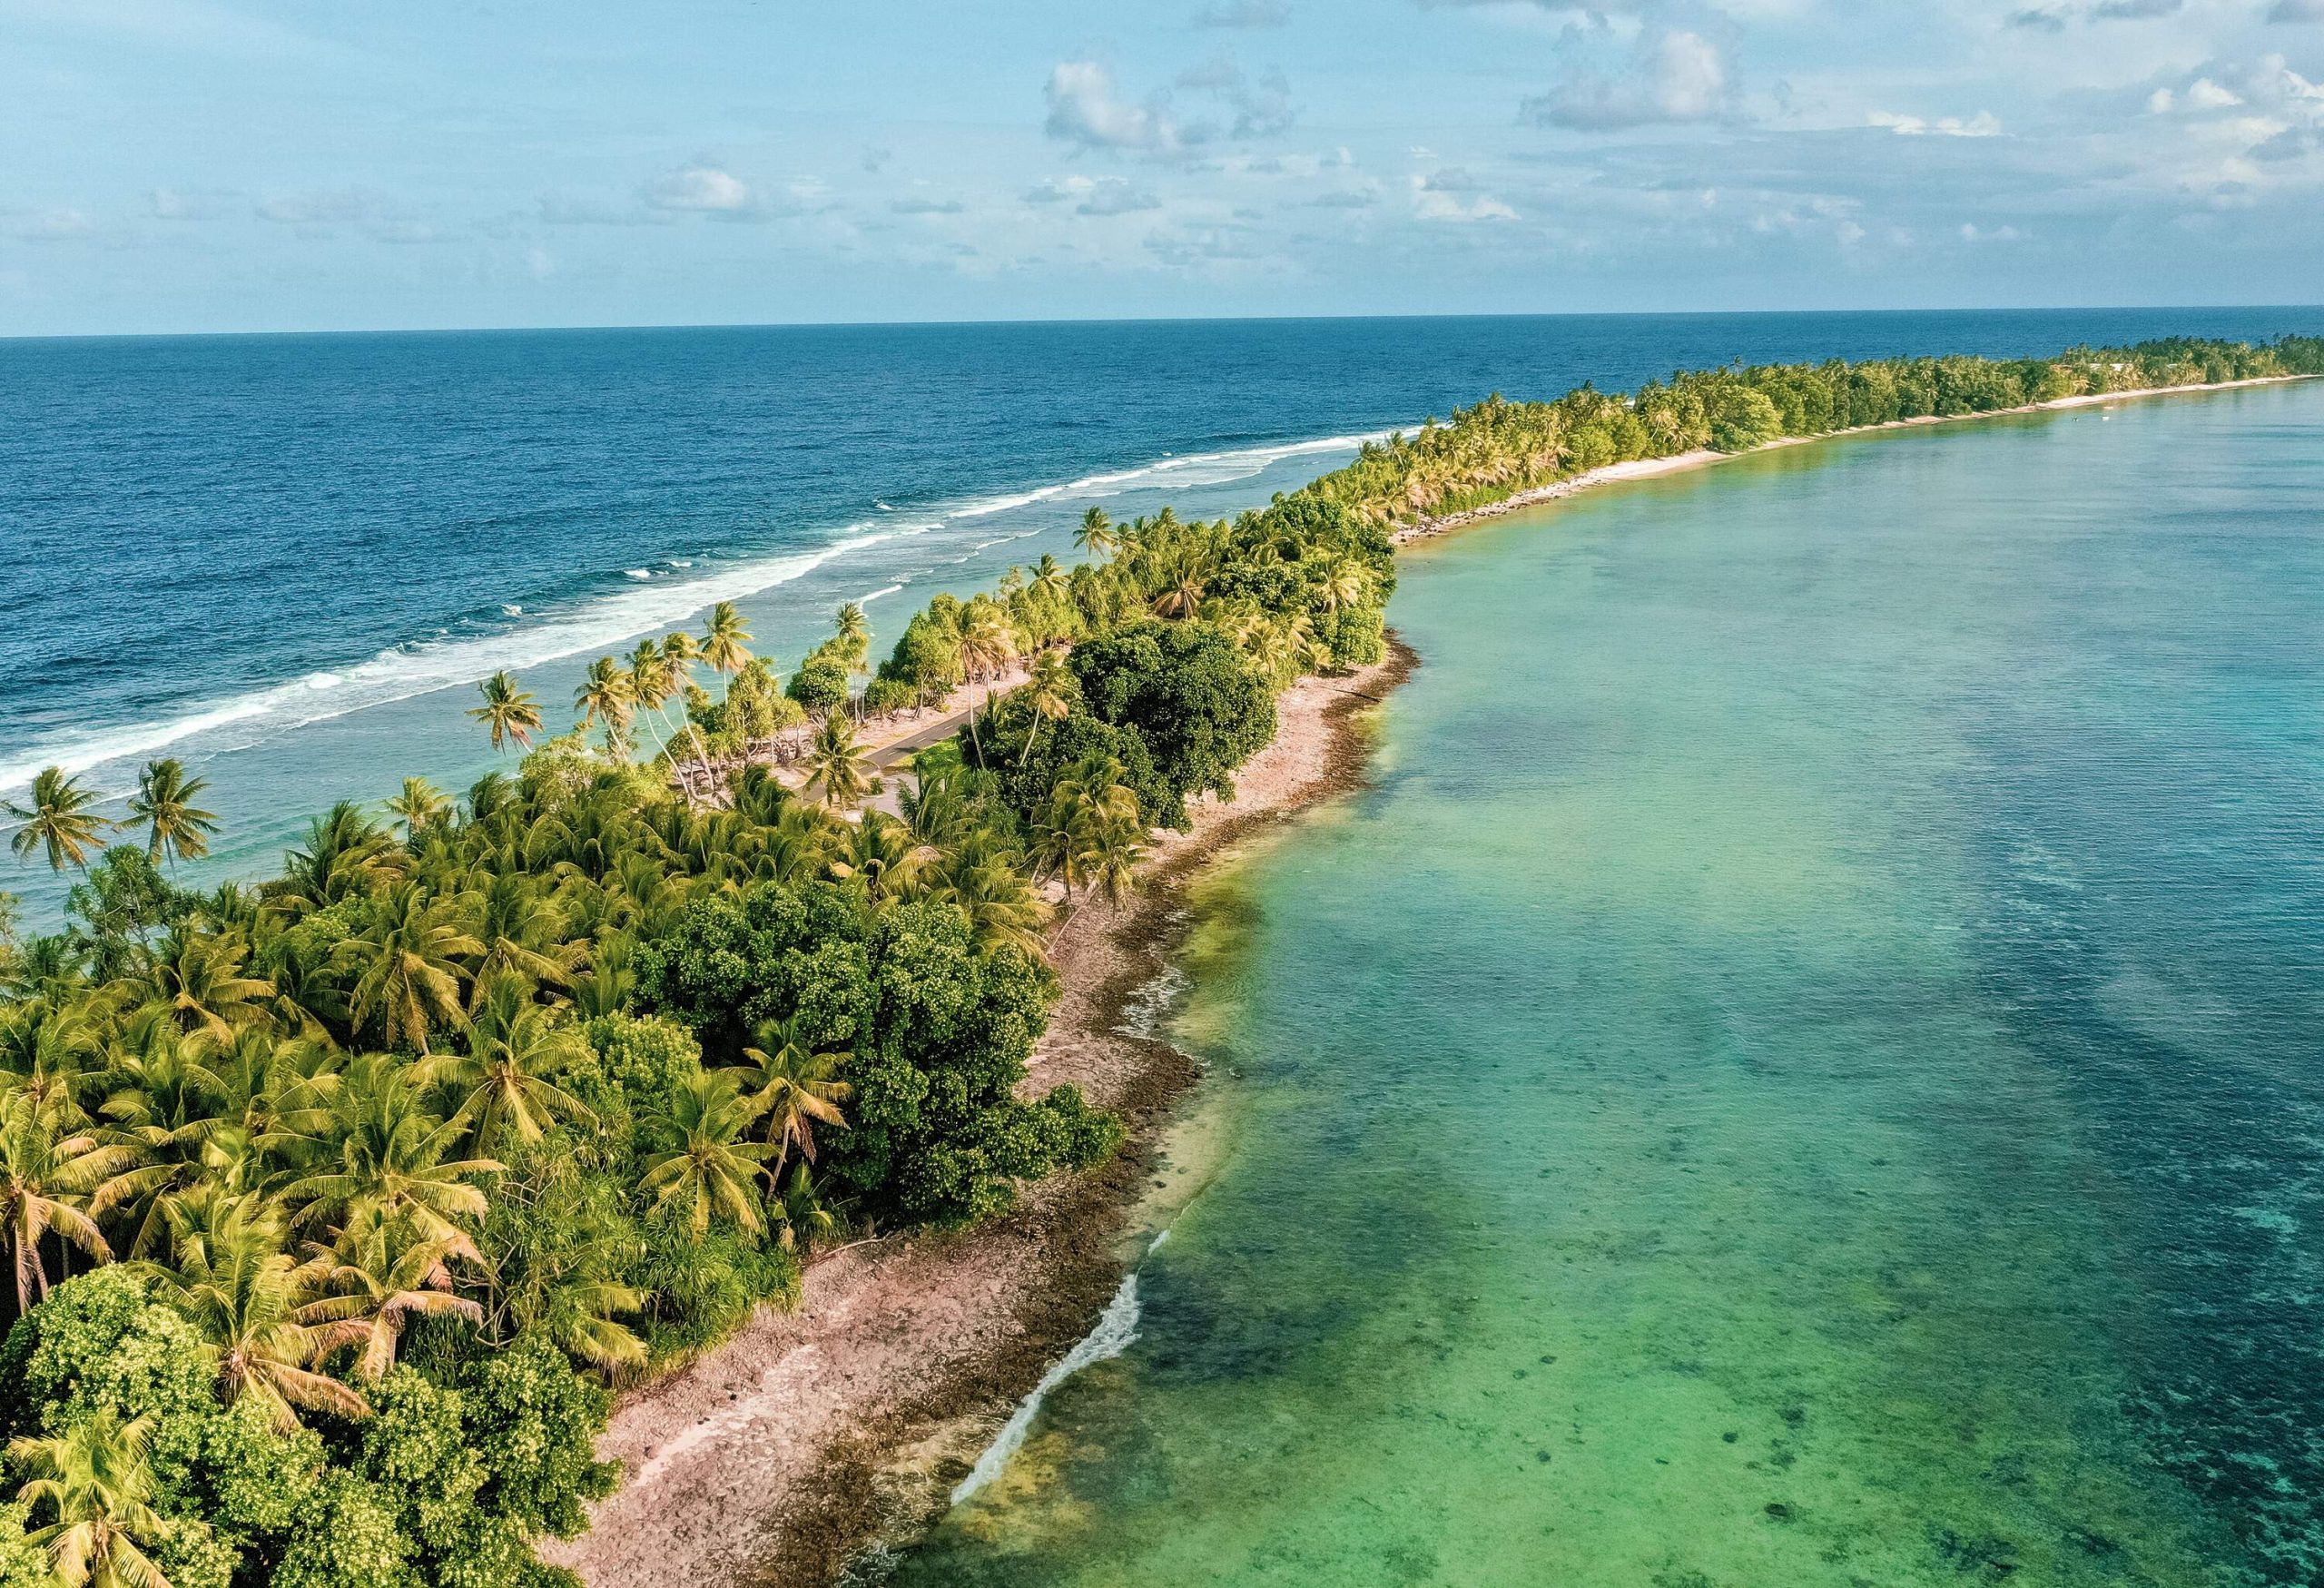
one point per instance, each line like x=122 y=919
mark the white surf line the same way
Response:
x=1114 y=1332
x=421 y=666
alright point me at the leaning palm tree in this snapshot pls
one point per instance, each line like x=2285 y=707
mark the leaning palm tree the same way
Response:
x=95 y=1480
x=57 y=821
x=854 y=634
x=507 y=712
x=230 y=1277
x=726 y=643
x=1096 y=536
x=708 y=1174
x=605 y=696
x=382 y=1274
x=794 y=1088
x=409 y=963
x=652 y=682
x=1049 y=691
x=47 y=1171
x=987 y=644
x=837 y=762
x=174 y=824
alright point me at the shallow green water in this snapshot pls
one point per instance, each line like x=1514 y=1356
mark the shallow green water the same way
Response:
x=1805 y=1068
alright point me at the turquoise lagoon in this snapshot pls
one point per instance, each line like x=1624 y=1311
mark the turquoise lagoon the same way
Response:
x=1804 y=1068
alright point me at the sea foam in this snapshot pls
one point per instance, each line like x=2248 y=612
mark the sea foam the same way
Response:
x=420 y=666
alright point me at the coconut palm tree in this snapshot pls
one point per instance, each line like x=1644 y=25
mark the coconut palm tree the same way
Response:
x=1096 y=536
x=987 y=644
x=164 y=802
x=725 y=643
x=800 y=1217
x=1048 y=580
x=230 y=1276
x=373 y=1148
x=794 y=1087
x=409 y=959
x=507 y=712
x=382 y=1274
x=1050 y=690
x=94 y=1479
x=347 y=855
x=708 y=1173
x=680 y=652
x=837 y=762
x=419 y=806
x=651 y=684
x=854 y=631
x=504 y=1078
x=606 y=695
x=200 y=977
x=47 y=1171
x=58 y=820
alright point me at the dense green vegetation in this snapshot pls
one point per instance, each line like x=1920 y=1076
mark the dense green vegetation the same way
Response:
x=337 y=1205
x=1499 y=449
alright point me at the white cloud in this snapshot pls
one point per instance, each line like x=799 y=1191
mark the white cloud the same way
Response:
x=1676 y=77
x=1433 y=203
x=1984 y=124
x=1972 y=233
x=1085 y=110
x=2203 y=94
x=1093 y=195
x=698 y=187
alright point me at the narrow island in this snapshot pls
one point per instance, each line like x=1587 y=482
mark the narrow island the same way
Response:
x=707 y=1127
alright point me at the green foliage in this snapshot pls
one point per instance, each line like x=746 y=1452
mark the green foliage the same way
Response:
x=820 y=684
x=23 y=1563
x=100 y=1341
x=534 y=1425
x=348 y=1538
x=1497 y=449
x=1187 y=692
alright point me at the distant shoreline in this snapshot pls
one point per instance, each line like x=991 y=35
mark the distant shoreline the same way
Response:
x=1702 y=458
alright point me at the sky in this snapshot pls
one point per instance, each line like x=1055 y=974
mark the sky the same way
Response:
x=227 y=165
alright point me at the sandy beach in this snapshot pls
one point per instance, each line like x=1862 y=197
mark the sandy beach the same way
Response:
x=1678 y=462
x=817 y=1433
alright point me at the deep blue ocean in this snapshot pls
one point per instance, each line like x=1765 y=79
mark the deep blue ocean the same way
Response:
x=287 y=558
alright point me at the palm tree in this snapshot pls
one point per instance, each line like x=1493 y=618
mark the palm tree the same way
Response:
x=420 y=805
x=987 y=644
x=198 y=976
x=1048 y=579
x=383 y=1274
x=409 y=959
x=725 y=643
x=1096 y=535
x=799 y=1215
x=793 y=1087
x=680 y=652
x=855 y=633
x=1049 y=691
x=514 y=1047
x=507 y=712
x=373 y=1148
x=837 y=762
x=651 y=682
x=57 y=821
x=46 y=1173
x=605 y=696
x=230 y=1278
x=348 y=853
x=164 y=803
x=709 y=1172
x=96 y=1479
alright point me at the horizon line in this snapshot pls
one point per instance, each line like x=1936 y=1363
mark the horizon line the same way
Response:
x=1033 y=320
